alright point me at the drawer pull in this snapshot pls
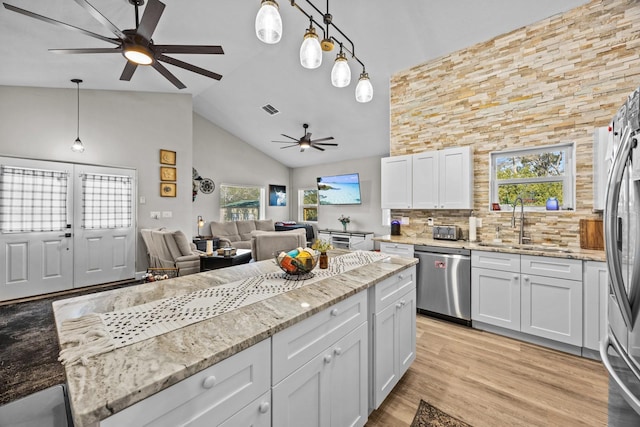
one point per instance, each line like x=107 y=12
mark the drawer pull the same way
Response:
x=403 y=303
x=337 y=351
x=399 y=305
x=515 y=277
x=327 y=359
x=334 y=312
x=209 y=382
x=264 y=407
x=400 y=276
x=525 y=278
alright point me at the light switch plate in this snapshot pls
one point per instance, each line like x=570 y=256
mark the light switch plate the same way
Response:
x=404 y=220
x=154 y=215
x=478 y=222
x=167 y=214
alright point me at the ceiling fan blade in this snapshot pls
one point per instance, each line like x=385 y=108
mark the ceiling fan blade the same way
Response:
x=150 y=17
x=128 y=71
x=186 y=48
x=287 y=136
x=60 y=24
x=167 y=74
x=283 y=142
x=328 y=144
x=88 y=50
x=289 y=146
x=101 y=18
x=188 y=66
x=318 y=148
x=323 y=139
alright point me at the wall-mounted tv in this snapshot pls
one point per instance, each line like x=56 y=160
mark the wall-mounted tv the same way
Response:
x=339 y=189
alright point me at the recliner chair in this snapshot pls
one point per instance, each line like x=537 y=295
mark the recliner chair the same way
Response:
x=171 y=249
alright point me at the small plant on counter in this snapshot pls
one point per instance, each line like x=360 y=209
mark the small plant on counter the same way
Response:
x=321 y=245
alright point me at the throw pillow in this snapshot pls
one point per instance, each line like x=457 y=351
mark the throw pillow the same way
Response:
x=182 y=242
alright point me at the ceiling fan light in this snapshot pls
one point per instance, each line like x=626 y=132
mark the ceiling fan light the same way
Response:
x=138 y=55
x=364 y=89
x=341 y=73
x=77 y=146
x=268 y=22
x=310 y=51
x=305 y=144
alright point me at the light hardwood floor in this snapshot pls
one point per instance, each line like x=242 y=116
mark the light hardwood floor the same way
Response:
x=488 y=380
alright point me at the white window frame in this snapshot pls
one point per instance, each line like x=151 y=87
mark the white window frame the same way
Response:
x=568 y=180
x=262 y=210
x=302 y=206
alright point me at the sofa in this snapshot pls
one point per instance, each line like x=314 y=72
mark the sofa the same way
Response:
x=171 y=249
x=264 y=244
x=238 y=233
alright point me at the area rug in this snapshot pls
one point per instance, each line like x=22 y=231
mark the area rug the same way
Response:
x=428 y=415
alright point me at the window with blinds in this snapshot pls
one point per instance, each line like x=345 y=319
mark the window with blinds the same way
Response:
x=32 y=200
x=106 y=201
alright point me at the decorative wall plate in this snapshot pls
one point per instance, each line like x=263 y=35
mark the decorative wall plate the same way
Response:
x=207 y=186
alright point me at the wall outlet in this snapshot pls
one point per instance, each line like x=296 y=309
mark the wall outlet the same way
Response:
x=404 y=220
x=478 y=222
x=155 y=215
x=167 y=214
x=143 y=200
x=430 y=221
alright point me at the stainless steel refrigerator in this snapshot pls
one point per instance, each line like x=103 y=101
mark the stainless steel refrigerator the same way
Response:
x=620 y=348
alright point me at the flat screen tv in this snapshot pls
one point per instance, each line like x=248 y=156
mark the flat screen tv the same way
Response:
x=339 y=189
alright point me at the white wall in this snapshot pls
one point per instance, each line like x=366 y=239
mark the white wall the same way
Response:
x=364 y=217
x=225 y=159
x=124 y=129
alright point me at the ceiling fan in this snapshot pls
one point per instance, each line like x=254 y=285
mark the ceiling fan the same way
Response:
x=306 y=141
x=136 y=44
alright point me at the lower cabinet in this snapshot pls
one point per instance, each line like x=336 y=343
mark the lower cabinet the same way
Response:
x=330 y=389
x=540 y=296
x=255 y=414
x=393 y=333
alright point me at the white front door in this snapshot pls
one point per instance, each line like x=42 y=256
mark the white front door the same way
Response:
x=64 y=226
x=36 y=249
x=104 y=226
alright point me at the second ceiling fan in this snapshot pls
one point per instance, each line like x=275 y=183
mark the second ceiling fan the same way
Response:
x=305 y=141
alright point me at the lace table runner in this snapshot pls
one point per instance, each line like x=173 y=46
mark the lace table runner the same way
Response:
x=95 y=334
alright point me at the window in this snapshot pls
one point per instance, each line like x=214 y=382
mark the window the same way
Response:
x=241 y=202
x=106 y=201
x=534 y=174
x=308 y=205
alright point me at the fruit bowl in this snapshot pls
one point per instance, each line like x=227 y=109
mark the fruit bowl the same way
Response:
x=297 y=263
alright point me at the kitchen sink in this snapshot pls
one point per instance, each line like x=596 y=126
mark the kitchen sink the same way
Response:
x=541 y=248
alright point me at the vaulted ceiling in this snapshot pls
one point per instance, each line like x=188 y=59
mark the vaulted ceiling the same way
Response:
x=388 y=35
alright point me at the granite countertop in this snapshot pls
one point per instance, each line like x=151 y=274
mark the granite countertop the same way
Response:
x=110 y=382
x=533 y=249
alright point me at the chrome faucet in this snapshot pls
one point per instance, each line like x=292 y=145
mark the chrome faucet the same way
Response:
x=513 y=219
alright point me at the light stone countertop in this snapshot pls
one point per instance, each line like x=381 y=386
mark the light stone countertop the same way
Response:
x=534 y=249
x=110 y=382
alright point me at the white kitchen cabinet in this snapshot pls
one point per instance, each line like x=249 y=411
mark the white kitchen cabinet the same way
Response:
x=207 y=398
x=255 y=414
x=495 y=297
x=330 y=389
x=440 y=179
x=400 y=249
x=396 y=182
x=394 y=332
x=596 y=292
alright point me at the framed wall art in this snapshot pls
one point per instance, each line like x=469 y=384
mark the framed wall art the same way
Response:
x=168 y=174
x=168 y=189
x=167 y=157
x=277 y=195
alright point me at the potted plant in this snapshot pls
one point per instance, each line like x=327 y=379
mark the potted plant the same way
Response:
x=344 y=220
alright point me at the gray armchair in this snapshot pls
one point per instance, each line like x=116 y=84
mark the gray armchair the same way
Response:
x=265 y=243
x=171 y=249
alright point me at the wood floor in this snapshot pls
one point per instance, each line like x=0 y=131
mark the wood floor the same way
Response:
x=488 y=380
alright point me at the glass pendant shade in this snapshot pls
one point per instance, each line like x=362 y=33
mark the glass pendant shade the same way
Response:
x=310 y=51
x=341 y=73
x=77 y=146
x=364 y=89
x=269 y=22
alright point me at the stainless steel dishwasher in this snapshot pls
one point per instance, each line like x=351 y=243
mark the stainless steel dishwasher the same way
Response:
x=444 y=283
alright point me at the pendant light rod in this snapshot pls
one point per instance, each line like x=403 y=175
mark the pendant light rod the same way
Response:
x=77 y=82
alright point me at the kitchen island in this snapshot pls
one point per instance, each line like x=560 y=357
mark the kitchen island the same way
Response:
x=106 y=384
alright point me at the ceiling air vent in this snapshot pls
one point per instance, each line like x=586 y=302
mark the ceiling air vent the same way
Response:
x=270 y=109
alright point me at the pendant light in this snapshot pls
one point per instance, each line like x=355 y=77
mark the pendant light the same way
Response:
x=341 y=73
x=77 y=145
x=364 y=89
x=268 y=22
x=310 y=51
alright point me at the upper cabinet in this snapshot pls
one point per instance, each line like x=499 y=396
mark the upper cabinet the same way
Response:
x=396 y=179
x=440 y=179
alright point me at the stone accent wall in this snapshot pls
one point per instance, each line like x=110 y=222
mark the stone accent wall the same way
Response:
x=550 y=82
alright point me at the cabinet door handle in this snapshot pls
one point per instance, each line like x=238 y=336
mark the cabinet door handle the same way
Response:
x=337 y=351
x=209 y=382
x=264 y=407
x=403 y=303
x=334 y=312
x=327 y=359
x=516 y=277
x=525 y=278
x=400 y=276
x=399 y=305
